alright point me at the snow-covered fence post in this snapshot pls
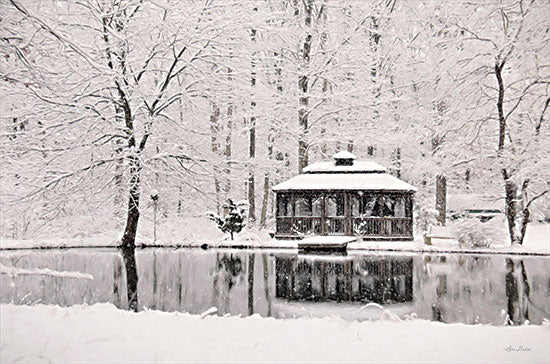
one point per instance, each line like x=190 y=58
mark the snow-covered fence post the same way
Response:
x=155 y=197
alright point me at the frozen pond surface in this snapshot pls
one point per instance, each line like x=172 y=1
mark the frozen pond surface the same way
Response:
x=440 y=287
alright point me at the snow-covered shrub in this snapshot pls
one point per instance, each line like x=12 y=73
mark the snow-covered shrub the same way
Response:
x=474 y=233
x=234 y=219
x=360 y=229
x=425 y=216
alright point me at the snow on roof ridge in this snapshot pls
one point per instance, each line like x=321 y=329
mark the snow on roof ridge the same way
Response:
x=343 y=154
x=360 y=166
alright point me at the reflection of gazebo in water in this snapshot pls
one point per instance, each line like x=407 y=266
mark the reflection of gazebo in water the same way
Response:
x=345 y=197
x=382 y=280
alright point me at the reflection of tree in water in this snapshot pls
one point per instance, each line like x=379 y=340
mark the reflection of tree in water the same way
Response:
x=457 y=282
x=473 y=264
x=251 y=284
x=228 y=273
x=517 y=292
x=266 y=284
x=231 y=269
x=117 y=283
x=483 y=289
x=131 y=277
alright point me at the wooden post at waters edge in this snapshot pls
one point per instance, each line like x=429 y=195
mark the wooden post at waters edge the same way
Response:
x=441 y=198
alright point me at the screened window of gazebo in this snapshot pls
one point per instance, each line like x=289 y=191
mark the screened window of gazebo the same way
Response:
x=367 y=205
x=309 y=206
x=399 y=207
x=284 y=205
x=336 y=205
x=363 y=205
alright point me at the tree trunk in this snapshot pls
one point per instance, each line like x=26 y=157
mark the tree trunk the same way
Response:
x=118 y=200
x=214 y=130
x=441 y=198
x=510 y=190
x=325 y=86
x=500 y=106
x=251 y=183
x=525 y=213
x=129 y=236
x=270 y=146
x=180 y=200
x=303 y=122
x=325 y=90
x=265 y=200
x=227 y=152
x=303 y=86
x=119 y=187
x=252 y=140
x=124 y=114
x=397 y=162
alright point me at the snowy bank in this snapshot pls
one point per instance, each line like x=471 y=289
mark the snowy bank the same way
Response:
x=537 y=241
x=102 y=333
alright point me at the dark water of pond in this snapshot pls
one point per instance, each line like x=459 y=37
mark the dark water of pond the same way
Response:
x=440 y=287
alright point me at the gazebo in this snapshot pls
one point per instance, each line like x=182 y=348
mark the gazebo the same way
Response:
x=345 y=197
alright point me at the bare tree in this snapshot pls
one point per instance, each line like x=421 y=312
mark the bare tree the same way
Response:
x=106 y=98
x=507 y=44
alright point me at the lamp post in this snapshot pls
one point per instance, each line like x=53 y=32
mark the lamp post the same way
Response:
x=155 y=198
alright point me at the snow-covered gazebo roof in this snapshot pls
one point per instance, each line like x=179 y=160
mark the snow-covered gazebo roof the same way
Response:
x=349 y=175
x=343 y=181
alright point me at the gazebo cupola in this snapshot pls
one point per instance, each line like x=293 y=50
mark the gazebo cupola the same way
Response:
x=345 y=197
x=343 y=158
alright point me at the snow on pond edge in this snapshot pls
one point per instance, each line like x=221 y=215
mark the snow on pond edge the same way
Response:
x=537 y=242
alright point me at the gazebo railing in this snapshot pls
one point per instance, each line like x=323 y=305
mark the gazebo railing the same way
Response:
x=299 y=225
x=336 y=225
x=382 y=226
x=362 y=226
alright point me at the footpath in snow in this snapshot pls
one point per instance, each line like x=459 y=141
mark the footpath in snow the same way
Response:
x=102 y=333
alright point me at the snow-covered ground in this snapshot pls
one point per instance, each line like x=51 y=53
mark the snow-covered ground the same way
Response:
x=102 y=333
x=200 y=231
x=537 y=240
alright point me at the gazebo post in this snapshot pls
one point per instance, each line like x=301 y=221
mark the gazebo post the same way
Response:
x=324 y=214
x=347 y=214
